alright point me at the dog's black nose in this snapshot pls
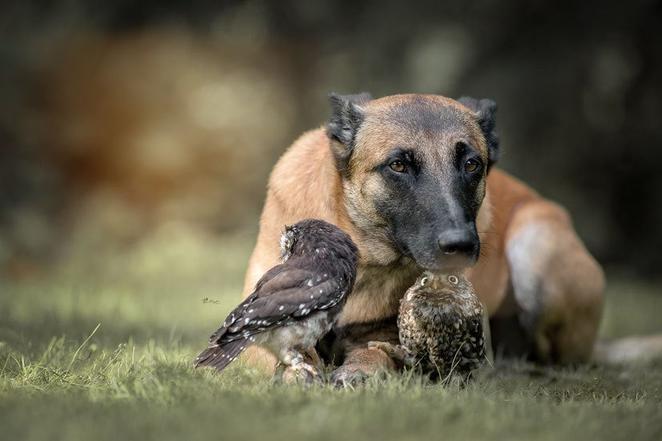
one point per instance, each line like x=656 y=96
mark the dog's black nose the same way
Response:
x=458 y=241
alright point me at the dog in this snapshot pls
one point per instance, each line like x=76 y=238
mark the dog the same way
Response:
x=412 y=179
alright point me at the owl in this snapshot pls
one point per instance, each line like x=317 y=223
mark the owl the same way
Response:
x=294 y=304
x=440 y=326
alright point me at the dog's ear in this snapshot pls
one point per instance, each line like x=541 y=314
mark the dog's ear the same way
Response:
x=485 y=110
x=346 y=117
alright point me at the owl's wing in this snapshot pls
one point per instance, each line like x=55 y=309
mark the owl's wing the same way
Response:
x=477 y=332
x=237 y=313
x=289 y=294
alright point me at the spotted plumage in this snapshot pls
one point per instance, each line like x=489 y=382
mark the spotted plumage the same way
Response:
x=295 y=303
x=440 y=326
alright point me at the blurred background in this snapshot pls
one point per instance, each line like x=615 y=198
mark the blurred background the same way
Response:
x=153 y=125
x=136 y=139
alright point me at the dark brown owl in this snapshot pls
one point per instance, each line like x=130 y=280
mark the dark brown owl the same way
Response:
x=295 y=303
x=440 y=326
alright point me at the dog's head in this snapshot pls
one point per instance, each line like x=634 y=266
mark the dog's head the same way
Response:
x=414 y=170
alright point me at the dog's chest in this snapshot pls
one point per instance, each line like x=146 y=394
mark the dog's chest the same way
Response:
x=377 y=292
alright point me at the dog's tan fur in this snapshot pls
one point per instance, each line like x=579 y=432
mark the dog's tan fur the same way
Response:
x=532 y=263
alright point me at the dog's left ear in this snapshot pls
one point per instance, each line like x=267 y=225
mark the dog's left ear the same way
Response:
x=346 y=118
x=485 y=110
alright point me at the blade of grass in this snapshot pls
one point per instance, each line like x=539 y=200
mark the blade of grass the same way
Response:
x=73 y=358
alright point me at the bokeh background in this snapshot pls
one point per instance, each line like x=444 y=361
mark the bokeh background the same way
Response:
x=131 y=123
x=136 y=139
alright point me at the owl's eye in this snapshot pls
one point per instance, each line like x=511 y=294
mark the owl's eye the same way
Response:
x=424 y=281
x=453 y=279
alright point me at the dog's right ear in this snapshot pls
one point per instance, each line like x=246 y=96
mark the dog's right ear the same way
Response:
x=346 y=118
x=485 y=110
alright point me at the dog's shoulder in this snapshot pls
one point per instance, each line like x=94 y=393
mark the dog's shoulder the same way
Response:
x=305 y=183
x=309 y=151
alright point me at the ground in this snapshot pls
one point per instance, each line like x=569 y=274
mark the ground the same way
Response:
x=102 y=349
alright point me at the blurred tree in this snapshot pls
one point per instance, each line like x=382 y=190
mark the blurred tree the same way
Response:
x=178 y=110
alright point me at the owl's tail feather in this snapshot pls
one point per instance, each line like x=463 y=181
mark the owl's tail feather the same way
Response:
x=221 y=356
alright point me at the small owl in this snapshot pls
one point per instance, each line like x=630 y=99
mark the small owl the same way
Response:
x=294 y=304
x=440 y=326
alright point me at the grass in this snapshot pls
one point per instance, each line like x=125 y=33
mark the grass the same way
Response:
x=102 y=350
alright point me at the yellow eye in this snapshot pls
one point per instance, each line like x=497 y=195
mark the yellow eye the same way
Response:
x=398 y=166
x=471 y=166
x=453 y=279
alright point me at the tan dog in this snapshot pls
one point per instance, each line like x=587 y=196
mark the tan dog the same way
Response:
x=410 y=178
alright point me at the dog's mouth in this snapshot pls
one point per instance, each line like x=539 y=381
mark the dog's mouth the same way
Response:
x=436 y=262
x=448 y=266
x=433 y=259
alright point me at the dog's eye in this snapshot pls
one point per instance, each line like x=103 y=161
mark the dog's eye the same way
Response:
x=398 y=166
x=472 y=165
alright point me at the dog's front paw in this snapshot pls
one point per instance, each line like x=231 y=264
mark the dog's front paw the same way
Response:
x=361 y=364
x=398 y=353
x=348 y=376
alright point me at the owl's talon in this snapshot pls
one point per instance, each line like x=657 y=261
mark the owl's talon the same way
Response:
x=310 y=369
x=301 y=373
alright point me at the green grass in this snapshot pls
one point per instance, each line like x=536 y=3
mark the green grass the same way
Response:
x=132 y=377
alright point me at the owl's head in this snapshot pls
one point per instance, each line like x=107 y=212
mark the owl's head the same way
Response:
x=316 y=239
x=429 y=281
x=287 y=241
